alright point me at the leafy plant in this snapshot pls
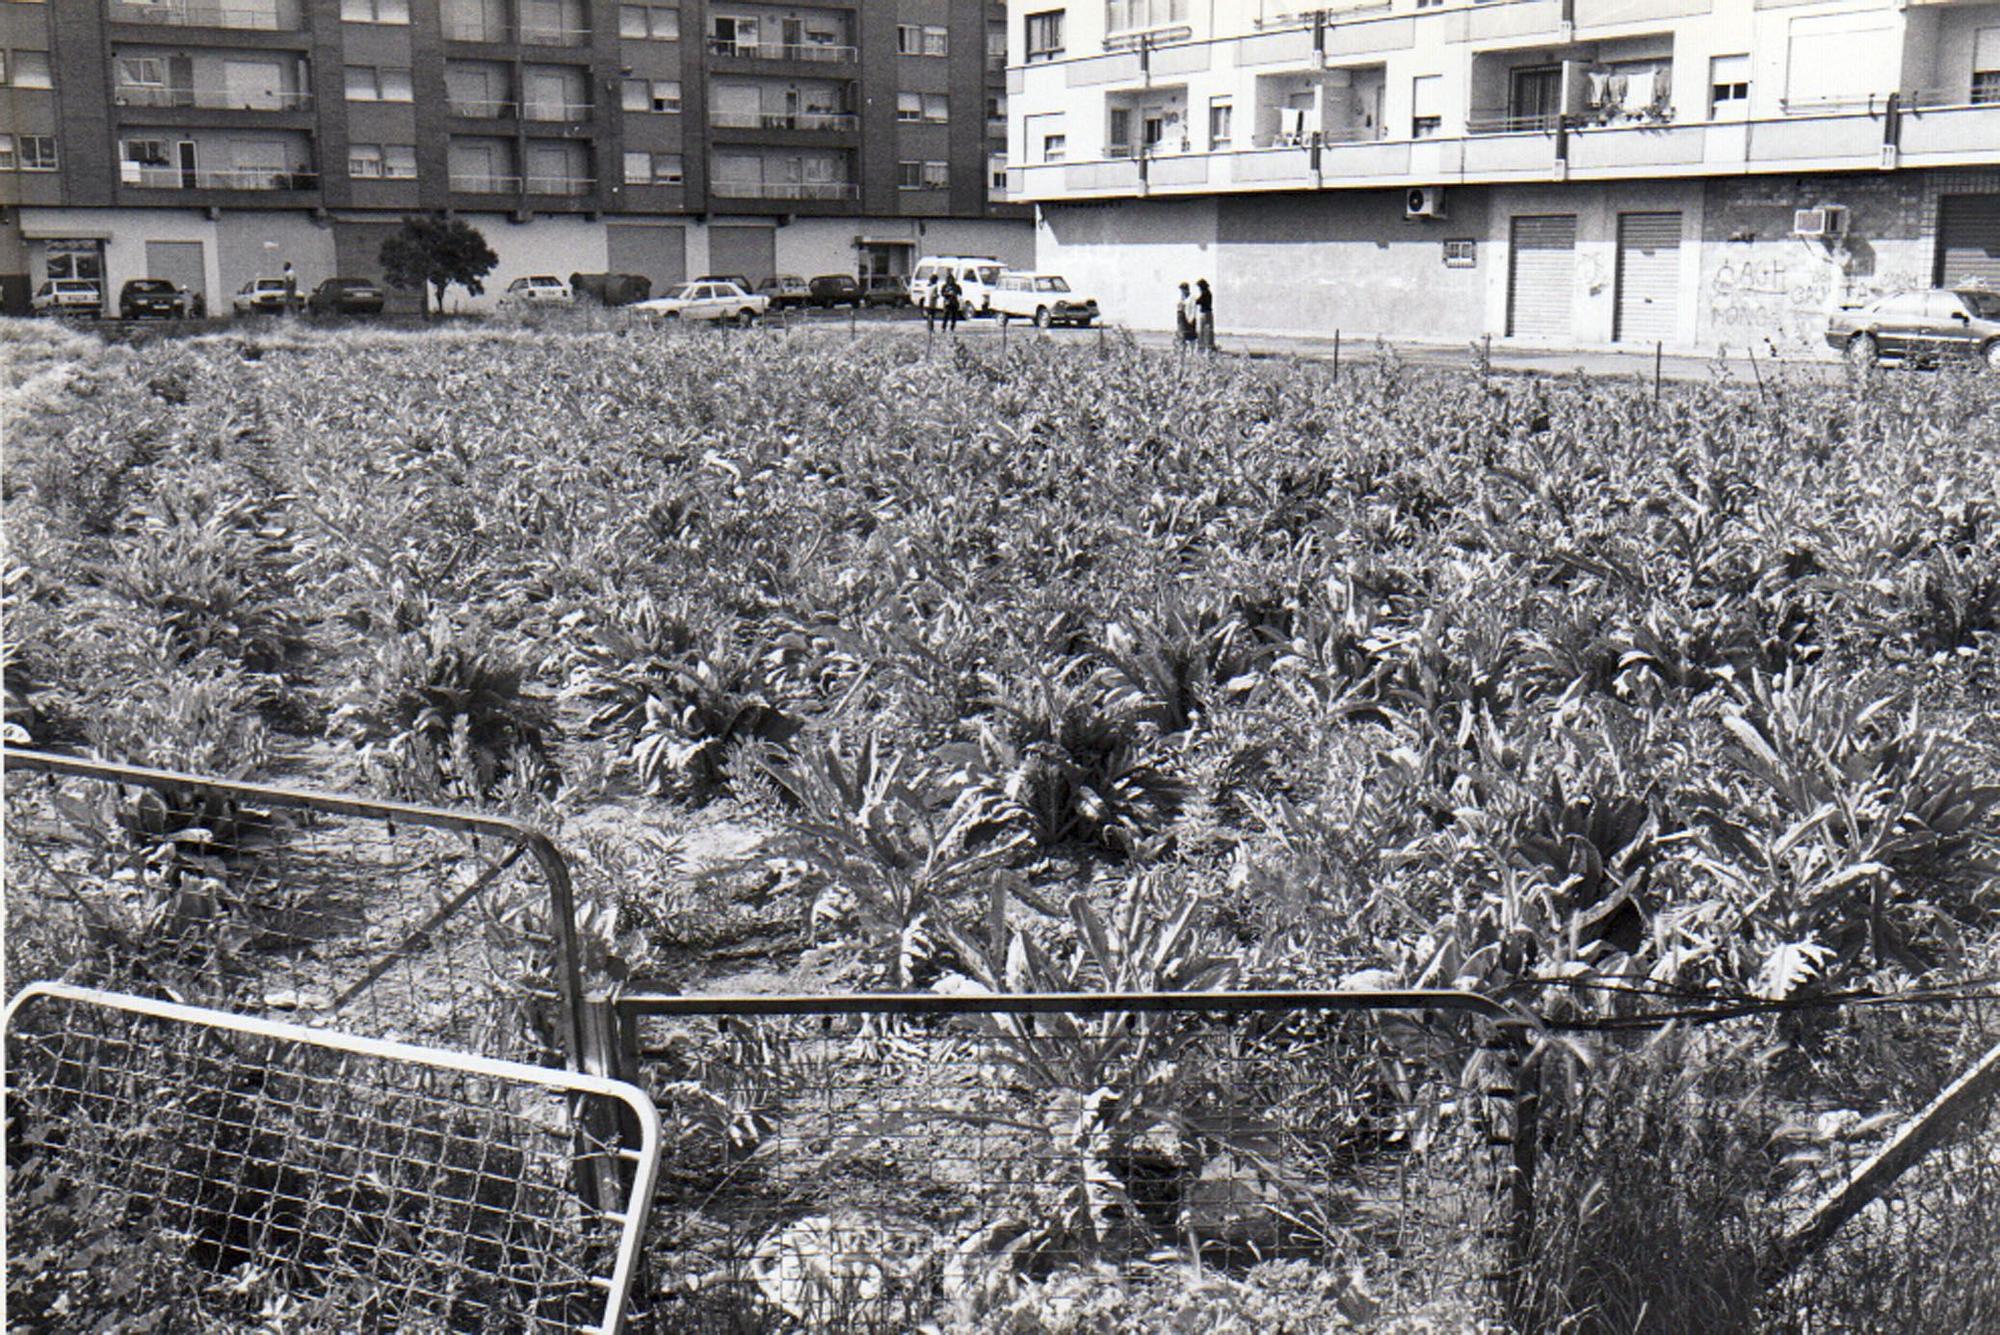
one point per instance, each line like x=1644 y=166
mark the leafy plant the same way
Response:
x=431 y=254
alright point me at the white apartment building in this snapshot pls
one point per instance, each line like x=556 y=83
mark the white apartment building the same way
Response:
x=1698 y=173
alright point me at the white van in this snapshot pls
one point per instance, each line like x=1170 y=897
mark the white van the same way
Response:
x=977 y=276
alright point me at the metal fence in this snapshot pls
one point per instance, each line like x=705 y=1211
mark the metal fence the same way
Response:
x=300 y=1180
x=876 y=1163
x=382 y=918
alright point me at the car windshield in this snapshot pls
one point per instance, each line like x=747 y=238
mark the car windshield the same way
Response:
x=1985 y=305
x=685 y=292
x=1051 y=285
x=986 y=276
x=149 y=285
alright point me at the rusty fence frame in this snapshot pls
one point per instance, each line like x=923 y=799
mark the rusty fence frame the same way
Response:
x=522 y=837
x=612 y=1020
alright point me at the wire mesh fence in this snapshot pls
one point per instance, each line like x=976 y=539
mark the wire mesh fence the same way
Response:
x=374 y=917
x=880 y=1164
x=292 y=1179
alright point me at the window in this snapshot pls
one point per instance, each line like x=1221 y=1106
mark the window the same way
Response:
x=996 y=106
x=1426 y=106
x=1045 y=35
x=1221 y=123
x=30 y=69
x=1729 y=87
x=1133 y=15
x=653 y=169
x=1985 y=67
x=1985 y=87
x=366 y=83
x=937 y=107
x=1055 y=147
x=399 y=162
x=909 y=106
x=937 y=175
x=654 y=23
x=996 y=173
x=145 y=152
x=142 y=72
x=909 y=176
x=922 y=40
x=662 y=95
x=6 y=152
x=364 y=161
x=1460 y=253
x=996 y=43
x=375 y=11
x=38 y=152
x=393 y=162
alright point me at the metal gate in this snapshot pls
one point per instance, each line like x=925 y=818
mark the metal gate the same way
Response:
x=749 y=251
x=1968 y=248
x=232 y=1172
x=385 y=918
x=869 y=1162
x=1649 y=270
x=1541 y=277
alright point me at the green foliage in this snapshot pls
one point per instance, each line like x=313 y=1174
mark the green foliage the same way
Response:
x=431 y=254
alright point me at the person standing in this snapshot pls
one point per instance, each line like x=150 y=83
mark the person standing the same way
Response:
x=291 y=278
x=953 y=303
x=1184 y=315
x=1204 y=304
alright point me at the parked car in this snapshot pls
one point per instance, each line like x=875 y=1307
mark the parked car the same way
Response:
x=264 y=296
x=707 y=299
x=735 y=278
x=976 y=275
x=885 y=289
x=835 y=289
x=345 y=296
x=786 y=289
x=141 y=297
x=68 y=296
x=1044 y=298
x=542 y=289
x=1920 y=327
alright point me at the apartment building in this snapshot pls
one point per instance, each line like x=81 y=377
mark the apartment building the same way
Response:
x=213 y=141
x=1698 y=173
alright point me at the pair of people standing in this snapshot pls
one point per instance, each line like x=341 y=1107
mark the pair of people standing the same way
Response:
x=1194 y=315
x=947 y=302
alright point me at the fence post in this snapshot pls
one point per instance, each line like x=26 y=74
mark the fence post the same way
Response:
x=607 y=1052
x=853 y=317
x=1336 y=356
x=1659 y=351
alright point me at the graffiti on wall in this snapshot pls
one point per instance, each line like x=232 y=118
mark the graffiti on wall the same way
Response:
x=1781 y=300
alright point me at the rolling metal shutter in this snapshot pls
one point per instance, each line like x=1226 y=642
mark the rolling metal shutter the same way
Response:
x=749 y=251
x=1968 y=240
x=658 y=253
x=1541 y=276
x=1649 y=271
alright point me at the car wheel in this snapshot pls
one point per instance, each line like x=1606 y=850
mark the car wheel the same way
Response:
x=746 y=317
x=1992 y=355
x=1041 y=317
x=1863 y=350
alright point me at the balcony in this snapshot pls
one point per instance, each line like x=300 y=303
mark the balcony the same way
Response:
x=481 y=108
x=816 y=52
x=819 y=190
x=210 y=98
x=242 y=15
x=215 y=178
x=485 y=183
x=557 y=112
x=784 y=120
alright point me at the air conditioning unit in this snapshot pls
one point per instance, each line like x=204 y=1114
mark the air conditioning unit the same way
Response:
x=1424 y=201
x=1821 y=222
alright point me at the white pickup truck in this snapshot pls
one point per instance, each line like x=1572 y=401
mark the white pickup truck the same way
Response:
x=1044 y=298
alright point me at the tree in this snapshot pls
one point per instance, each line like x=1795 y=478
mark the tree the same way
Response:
x=430 y=254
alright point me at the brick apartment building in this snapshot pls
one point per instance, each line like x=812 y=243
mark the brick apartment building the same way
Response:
x=213 y=141
x=1698 y=173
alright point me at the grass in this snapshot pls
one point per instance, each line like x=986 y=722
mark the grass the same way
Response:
x=1545 y=687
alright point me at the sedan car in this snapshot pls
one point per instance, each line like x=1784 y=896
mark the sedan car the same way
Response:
x=1920 y=327
x=264 y=296
x=542 y=289
x=884 y=289
x=786 y=289
x=345 y=296
x=707 y=301
x=142 y=297
x=68 y=296
x=835 y=289
x=1044 y=298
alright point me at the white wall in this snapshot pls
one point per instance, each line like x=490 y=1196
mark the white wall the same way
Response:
x=1131 y=257
x=546 y=245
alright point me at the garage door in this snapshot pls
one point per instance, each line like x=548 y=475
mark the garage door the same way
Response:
x=1541 y=276
x=1649 y=274
x=1968 y=239
x=749 y=251
x=180 y=263
x=657 y=253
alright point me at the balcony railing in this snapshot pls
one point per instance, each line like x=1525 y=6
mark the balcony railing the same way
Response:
x=784 y=120
x=216 y=178
x=560 y=185
x=485 y=183
x=485 y=108
x=481 y=29
x=786 y=189
x=269 y=16
x=1530 y=122
x=542 y=34
x=813 y=51
x=212 y=98
x=555 y=111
